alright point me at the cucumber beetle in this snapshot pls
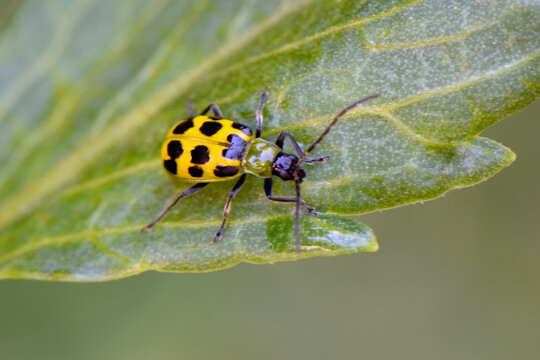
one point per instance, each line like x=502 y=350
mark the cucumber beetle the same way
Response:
x=205 y=149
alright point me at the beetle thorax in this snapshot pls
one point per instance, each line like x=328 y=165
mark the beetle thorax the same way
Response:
x=259 y=157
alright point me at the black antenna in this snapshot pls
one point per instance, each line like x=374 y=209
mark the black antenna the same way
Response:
x=297 y=218
x=327 y=130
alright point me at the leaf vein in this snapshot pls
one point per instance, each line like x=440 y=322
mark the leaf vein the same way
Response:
x=142 y=166
x=107 y=250
x=148 y=69
x=296 y=44
x=463 y=84
x=40 y=66
x=68 y=103
x=437 y=41
x=87 y=151
x=89 y=234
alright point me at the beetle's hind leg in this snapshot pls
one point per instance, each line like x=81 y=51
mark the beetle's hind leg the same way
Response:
x=227 y=208
x=183 y=194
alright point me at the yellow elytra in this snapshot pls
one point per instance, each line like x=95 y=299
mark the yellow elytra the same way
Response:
x=205 y=149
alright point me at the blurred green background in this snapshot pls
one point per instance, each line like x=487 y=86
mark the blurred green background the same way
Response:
x=456 y=278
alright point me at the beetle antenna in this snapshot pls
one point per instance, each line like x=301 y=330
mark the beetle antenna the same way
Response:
x=297 y=218
x=336 y=118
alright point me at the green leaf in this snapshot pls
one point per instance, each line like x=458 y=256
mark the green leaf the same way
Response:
x=89 y=88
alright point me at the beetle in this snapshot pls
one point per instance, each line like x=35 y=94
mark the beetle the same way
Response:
x=205 y=149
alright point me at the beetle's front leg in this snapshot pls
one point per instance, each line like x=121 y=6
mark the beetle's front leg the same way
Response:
x=268 y=191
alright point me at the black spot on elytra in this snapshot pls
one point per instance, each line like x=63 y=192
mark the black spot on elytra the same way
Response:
x=195 y=171
x=200 y=155
x=174 y=149
x=246 y=130
x=183 y=126
x=170 y=165
x=225 y=171
x=209 y=128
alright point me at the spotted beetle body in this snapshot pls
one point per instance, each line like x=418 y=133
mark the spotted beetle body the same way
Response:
x=205 y=149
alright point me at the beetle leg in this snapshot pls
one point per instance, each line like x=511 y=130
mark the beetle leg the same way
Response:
x=214 y=108
x=281 y=139
x=183 y=194
x=190 y=107
x=320 y=160
x=268 y=191
x=259 y=113
x=227 y=208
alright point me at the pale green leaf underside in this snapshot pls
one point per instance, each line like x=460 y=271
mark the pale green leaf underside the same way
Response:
x=89 y=88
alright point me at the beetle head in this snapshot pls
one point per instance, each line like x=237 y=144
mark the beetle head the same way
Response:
x=287 y=167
